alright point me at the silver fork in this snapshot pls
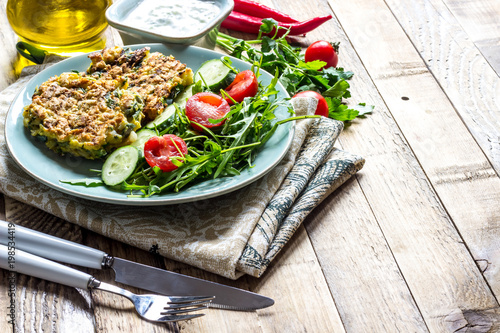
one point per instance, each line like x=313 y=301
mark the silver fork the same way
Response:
x=159 y=308
x=151 y=307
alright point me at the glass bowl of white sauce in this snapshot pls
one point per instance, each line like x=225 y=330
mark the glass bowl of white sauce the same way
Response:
x=193 y=22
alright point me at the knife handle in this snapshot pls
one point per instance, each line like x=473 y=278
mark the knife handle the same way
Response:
x=19 y=261
x=50 y=247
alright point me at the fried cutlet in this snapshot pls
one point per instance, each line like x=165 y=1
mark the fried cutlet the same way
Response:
x=91 y=113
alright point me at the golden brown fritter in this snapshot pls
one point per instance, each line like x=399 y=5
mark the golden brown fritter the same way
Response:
x=151 y=75
x=89 y=114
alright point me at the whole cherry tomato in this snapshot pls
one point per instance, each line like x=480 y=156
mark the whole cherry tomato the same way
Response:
x=244 y=85
x=204 y=106
x=159 y=150
x=324 y=51
x=322 y=108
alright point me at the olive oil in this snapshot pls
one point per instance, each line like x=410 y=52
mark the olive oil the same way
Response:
x=59 y=26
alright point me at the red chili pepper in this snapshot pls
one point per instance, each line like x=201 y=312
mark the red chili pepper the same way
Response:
x=251 y=24
x=301 y=28
x=256 y=9
x=241 y=22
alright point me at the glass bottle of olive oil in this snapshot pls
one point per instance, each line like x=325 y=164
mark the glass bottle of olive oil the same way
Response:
x=59 y=26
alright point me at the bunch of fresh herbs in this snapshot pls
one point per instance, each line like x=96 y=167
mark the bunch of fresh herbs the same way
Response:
x=275 y=55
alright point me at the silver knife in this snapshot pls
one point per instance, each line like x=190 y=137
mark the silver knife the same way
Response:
x=128 y=272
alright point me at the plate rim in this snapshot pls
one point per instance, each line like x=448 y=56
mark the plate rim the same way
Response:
x=127 y=201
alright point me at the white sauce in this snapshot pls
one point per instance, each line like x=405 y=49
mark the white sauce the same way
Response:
x=173 y=17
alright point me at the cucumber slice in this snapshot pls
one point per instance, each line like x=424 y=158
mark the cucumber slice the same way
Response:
x=214 y=74
x=229 y=79
x=142 y=136
x=161 y=121
x=119 y=165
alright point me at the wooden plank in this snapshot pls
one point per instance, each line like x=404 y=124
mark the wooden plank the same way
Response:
x=367 y=284
x=466 y=77
x=409 y=213
x=479 y=19
x=453 y=175
x=42 y=305
x=298 y=285
x=431 y=255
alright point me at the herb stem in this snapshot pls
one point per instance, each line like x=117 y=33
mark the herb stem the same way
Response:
x=275 y=127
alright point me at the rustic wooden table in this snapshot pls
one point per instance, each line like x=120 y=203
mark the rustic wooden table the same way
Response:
x=410 y=244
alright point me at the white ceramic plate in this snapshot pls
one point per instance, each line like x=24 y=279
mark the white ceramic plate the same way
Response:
x=49 y=168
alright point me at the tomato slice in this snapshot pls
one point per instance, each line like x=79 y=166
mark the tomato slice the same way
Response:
x=159 y=150
x=204 y=106
x=322 y=108
x=244 y=85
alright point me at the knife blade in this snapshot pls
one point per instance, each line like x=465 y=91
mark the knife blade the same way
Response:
x=129 y=272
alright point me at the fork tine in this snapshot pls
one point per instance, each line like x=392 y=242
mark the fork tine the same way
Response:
x=189 y=299
x=171 y=311
x=180 y=317
x=183 y=305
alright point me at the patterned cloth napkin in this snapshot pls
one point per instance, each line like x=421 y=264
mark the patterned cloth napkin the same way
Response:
x=230 y=235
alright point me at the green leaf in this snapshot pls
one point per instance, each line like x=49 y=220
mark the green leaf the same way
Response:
x=315 y=65
x=268 y=25
x=268 y=45
x=364 y=109
x=341 y=112
x=338 y=90
x=152 y=189
x=320 y=81
x=338 y=73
